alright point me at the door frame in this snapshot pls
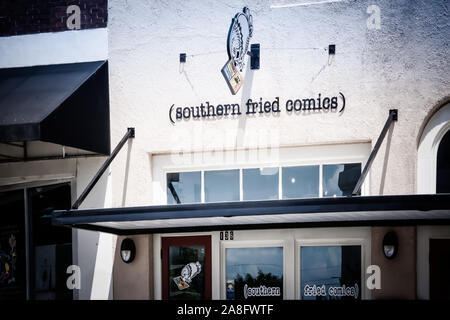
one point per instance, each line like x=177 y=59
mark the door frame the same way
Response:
x=424 y=234
x=166 y=242
x=29 y=244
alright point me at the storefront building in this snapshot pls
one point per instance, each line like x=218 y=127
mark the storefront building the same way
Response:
x=281 y=150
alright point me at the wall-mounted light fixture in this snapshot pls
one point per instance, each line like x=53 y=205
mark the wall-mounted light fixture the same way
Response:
x=390 y=245
x=127 y=250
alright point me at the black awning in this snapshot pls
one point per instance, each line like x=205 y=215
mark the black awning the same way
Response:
x=66 y=104
x=270 y=214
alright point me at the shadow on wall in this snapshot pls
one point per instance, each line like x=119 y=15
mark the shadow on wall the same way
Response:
x=246 y=93
x=398 y=276
x=86 y=243
x=386 y=158
x=127 y=171
x=134 y=281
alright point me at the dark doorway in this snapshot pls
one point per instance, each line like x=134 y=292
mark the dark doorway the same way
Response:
x=12 y=246
x=439 y=268
x=52 y=246
x=34 y=255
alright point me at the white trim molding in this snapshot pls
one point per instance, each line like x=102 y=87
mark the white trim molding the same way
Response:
x=434 y=131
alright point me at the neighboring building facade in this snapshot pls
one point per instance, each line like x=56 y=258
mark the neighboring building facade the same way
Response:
x=332 y=108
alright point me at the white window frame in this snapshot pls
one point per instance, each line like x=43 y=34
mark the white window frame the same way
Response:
x=434 y=131
x=288 y=157
x=330 y=242
x=251 y=244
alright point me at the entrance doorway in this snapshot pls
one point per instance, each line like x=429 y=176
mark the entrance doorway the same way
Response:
x=34 y=255
x=186 y=268
x=439 y=268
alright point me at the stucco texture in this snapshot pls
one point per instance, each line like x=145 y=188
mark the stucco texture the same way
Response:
x=403 y=64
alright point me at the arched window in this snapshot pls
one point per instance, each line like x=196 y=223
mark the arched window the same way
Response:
x=443 y=165
x=433 y=156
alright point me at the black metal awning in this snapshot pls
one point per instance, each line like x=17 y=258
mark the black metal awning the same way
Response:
x=318 y=212
x=66 y=104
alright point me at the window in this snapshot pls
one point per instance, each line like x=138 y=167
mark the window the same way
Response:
x=254 y=273
x=340 y=179
x=443 y=165
x=330 y=272
x=300 y=182
x=260 y=184
x=183 y=187
x=270 y=183
x=37 y=270
x=433 y=155
x=12 y=246
x=222 y=185
x=186 y=258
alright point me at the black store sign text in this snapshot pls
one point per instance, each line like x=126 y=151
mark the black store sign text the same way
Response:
x=321 y=103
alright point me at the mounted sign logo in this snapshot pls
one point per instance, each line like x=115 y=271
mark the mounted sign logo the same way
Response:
x=239 y=35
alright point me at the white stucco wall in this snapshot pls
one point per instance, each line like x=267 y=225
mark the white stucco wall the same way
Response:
x=402 y=65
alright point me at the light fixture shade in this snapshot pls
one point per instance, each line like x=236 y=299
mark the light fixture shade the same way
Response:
x=390 y=245
x=127 y=250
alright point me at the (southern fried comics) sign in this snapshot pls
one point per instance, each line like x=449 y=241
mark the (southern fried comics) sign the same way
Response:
x=239 y=35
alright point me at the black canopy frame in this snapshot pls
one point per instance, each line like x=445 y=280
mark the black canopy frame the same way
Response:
x=270 y=214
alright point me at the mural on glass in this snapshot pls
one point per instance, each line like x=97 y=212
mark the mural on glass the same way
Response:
x=254 y=273
x=186 y=272
x=330 y=272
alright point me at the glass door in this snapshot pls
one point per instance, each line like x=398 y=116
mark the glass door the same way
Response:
x=186 y=268
x=12 y=246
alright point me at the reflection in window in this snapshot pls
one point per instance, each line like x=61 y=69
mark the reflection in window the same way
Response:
x=260 y=184
x=183 y=187
x=300 y=182
x=340 y=179
x=221 y=185
x=443 y=165
x=254 y=273
x=330 y=272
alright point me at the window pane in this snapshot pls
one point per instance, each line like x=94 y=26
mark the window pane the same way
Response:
x=340 y=179
x=12 y=246
x=300 y=182
x=186 y=273
x=254 y=273
x=330 y=272
x=259 y=184
x=221 y=185
x=52 y=245
x=443 y=165
x=183 y=187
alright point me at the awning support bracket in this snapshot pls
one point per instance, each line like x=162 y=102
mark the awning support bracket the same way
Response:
x=130 y=134
x=393 y=116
